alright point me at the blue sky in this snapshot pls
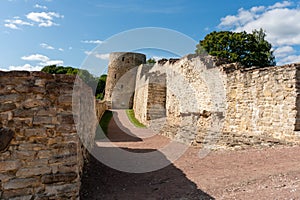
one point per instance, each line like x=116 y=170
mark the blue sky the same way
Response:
x=36 y=33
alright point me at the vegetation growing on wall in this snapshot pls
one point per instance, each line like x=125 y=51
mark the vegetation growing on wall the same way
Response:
x=249 y=49
x=97 y=83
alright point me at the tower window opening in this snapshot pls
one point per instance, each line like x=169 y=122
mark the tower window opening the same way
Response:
x=123 y=58
x=115 y=76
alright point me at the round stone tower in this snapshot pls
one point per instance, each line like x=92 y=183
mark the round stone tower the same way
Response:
x=121 y=78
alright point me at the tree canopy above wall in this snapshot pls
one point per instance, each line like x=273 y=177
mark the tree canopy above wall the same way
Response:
x=97 y=83
x=249 y=49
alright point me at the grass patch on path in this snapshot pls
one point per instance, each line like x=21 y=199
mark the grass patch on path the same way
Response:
x=133 y=120
x=104 y=124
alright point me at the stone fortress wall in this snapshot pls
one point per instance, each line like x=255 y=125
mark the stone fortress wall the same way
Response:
x=221 y=101
x=41 y=153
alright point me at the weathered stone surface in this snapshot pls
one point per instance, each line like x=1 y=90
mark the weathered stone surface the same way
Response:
x=227 y=98
x=5 y=178
x=59 y=177
x=7 y=106
x=9 y=165
x=28 y=197
x=44 y=154
x=10 y=98
x=42 y=120
x=32 y=171
x=20 y=183
x=56 y=189
x=14 y=74
x=68 y=158
x=32 y=103
x=66 y=119
x=38 y=107
x=65 y=99
x=41 y=132
x=25 y=154
x=17 y=193
x=6 y=135
x=31 y=147
x=19 y=112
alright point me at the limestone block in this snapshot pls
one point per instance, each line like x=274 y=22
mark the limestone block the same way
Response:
x=10 y=98
x=19 y=183
x=27 y=197
x=9 y=165
x=7 y=106
x=32 y=103
x=42 y=120
x=17 y=193
x=57 y=189
x=33 y=171
x=59 y=177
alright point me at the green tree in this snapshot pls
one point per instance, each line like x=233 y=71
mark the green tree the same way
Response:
x=96 y=83
x=250 y=49
x=100 y=90
x=151 y=61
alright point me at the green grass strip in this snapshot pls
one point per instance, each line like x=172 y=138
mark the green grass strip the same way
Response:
x=104 y=124
x=133 y=120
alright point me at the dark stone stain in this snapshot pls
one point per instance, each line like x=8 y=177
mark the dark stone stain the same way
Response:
x=6 y=135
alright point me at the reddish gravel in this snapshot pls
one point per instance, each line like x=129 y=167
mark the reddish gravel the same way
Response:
x=265 y=173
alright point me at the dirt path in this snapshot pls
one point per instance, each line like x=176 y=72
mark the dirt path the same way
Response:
x=266 y=173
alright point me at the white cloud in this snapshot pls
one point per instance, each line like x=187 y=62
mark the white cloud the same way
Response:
x=280 y=5
x=102 y=56
x=15 y=23
x=44 y=19
x=41 y=19
x=280 y=22
x=289 y=59
x=40 y=6
x=52 y=62
x=92 y=41
x=46 y=46
x=35 y=57
x=88 y=52
x=12 y=26
x=256 y=9
x=26 y=67
x=283 y=51
x=43 y=60
x=157 y=58
x=243 y=17
x=39 y=60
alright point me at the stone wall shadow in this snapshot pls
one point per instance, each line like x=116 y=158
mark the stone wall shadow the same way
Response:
x=170 y=183
x=102 y=182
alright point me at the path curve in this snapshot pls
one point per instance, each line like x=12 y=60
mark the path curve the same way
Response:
x=254 y=173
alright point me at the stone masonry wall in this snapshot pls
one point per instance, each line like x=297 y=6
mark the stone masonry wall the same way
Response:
x=45 y=157
x=263 y=102
x=150 y=94
x=211 y=102
x=100 y=108
x=188 y=93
